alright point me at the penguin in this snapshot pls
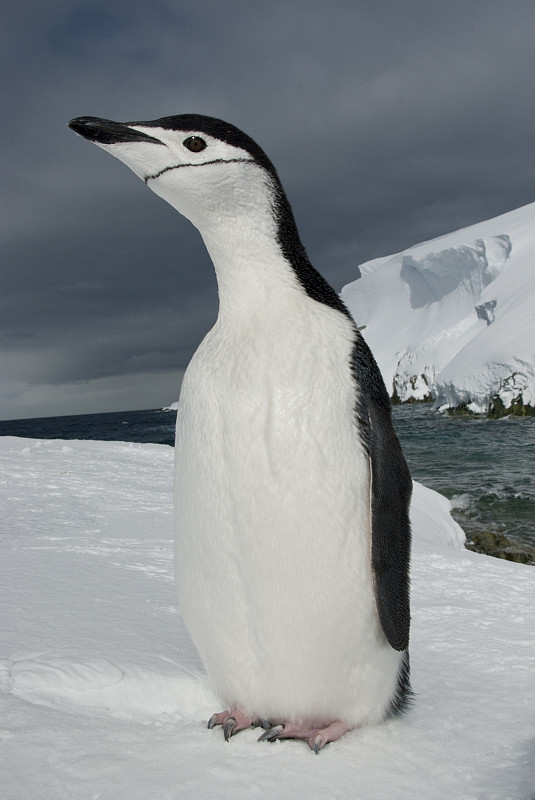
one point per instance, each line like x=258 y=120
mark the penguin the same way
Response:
x=291 y=492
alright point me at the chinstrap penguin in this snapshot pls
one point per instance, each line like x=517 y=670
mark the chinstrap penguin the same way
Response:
x=291 y=491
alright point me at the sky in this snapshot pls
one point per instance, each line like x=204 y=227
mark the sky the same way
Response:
x=390 y=122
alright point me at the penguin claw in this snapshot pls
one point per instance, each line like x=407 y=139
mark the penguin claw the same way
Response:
x=228 y=728
x=271 y=733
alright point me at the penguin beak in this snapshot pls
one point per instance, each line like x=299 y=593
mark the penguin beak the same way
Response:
x=104 y=131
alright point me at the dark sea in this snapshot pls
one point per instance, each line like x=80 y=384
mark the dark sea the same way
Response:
x=485 y=467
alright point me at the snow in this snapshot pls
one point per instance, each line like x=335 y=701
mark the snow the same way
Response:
x=454 y=317
x=102 y=695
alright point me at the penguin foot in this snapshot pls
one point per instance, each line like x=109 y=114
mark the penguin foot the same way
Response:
x=232 y=722
x=316 y=738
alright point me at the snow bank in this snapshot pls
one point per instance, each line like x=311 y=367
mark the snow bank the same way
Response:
x=453 y=319
x=432 y=523
x=102 y=694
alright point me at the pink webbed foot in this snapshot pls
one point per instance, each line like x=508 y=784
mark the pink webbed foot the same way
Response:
x=315 y=737
x=232 y=722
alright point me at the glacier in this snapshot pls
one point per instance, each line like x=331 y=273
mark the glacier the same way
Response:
x=452 y=319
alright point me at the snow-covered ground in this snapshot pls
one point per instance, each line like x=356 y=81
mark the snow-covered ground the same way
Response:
x=454 y=317
x=102 y=695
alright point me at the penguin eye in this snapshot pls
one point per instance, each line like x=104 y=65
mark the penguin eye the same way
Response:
x=194 y=143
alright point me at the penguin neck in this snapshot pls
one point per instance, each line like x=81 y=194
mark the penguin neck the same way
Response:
x=251 y=269
x=259 y=258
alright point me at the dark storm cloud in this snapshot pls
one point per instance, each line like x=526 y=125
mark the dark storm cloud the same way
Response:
x=389 y=123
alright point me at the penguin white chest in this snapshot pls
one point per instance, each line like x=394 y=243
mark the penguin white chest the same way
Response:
x=272 y=503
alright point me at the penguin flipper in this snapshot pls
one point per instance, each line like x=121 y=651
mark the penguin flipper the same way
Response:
x=390 y=493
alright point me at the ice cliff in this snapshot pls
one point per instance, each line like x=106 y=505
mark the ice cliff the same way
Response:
x=453 y=319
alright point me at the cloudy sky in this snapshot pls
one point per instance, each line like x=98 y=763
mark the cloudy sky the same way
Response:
x=389 y=123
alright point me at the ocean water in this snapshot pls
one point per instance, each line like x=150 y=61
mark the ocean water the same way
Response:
x=485 y=467
x=153 y=426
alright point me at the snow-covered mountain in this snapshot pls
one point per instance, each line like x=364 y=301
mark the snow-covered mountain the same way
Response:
x=453 y=319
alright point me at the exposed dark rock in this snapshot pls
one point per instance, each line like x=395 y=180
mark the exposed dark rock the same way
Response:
x=486 y=311
x=499 y=546
x=461 y=410
x=413 y=380
x=395 y=396
x=517 y=408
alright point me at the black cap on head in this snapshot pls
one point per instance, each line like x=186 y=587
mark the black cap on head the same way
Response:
x=214 y=127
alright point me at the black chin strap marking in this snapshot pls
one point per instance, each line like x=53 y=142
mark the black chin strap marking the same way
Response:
x=202 y=164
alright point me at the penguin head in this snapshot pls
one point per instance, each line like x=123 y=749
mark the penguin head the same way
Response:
x=201 y=165
x=222 y=181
